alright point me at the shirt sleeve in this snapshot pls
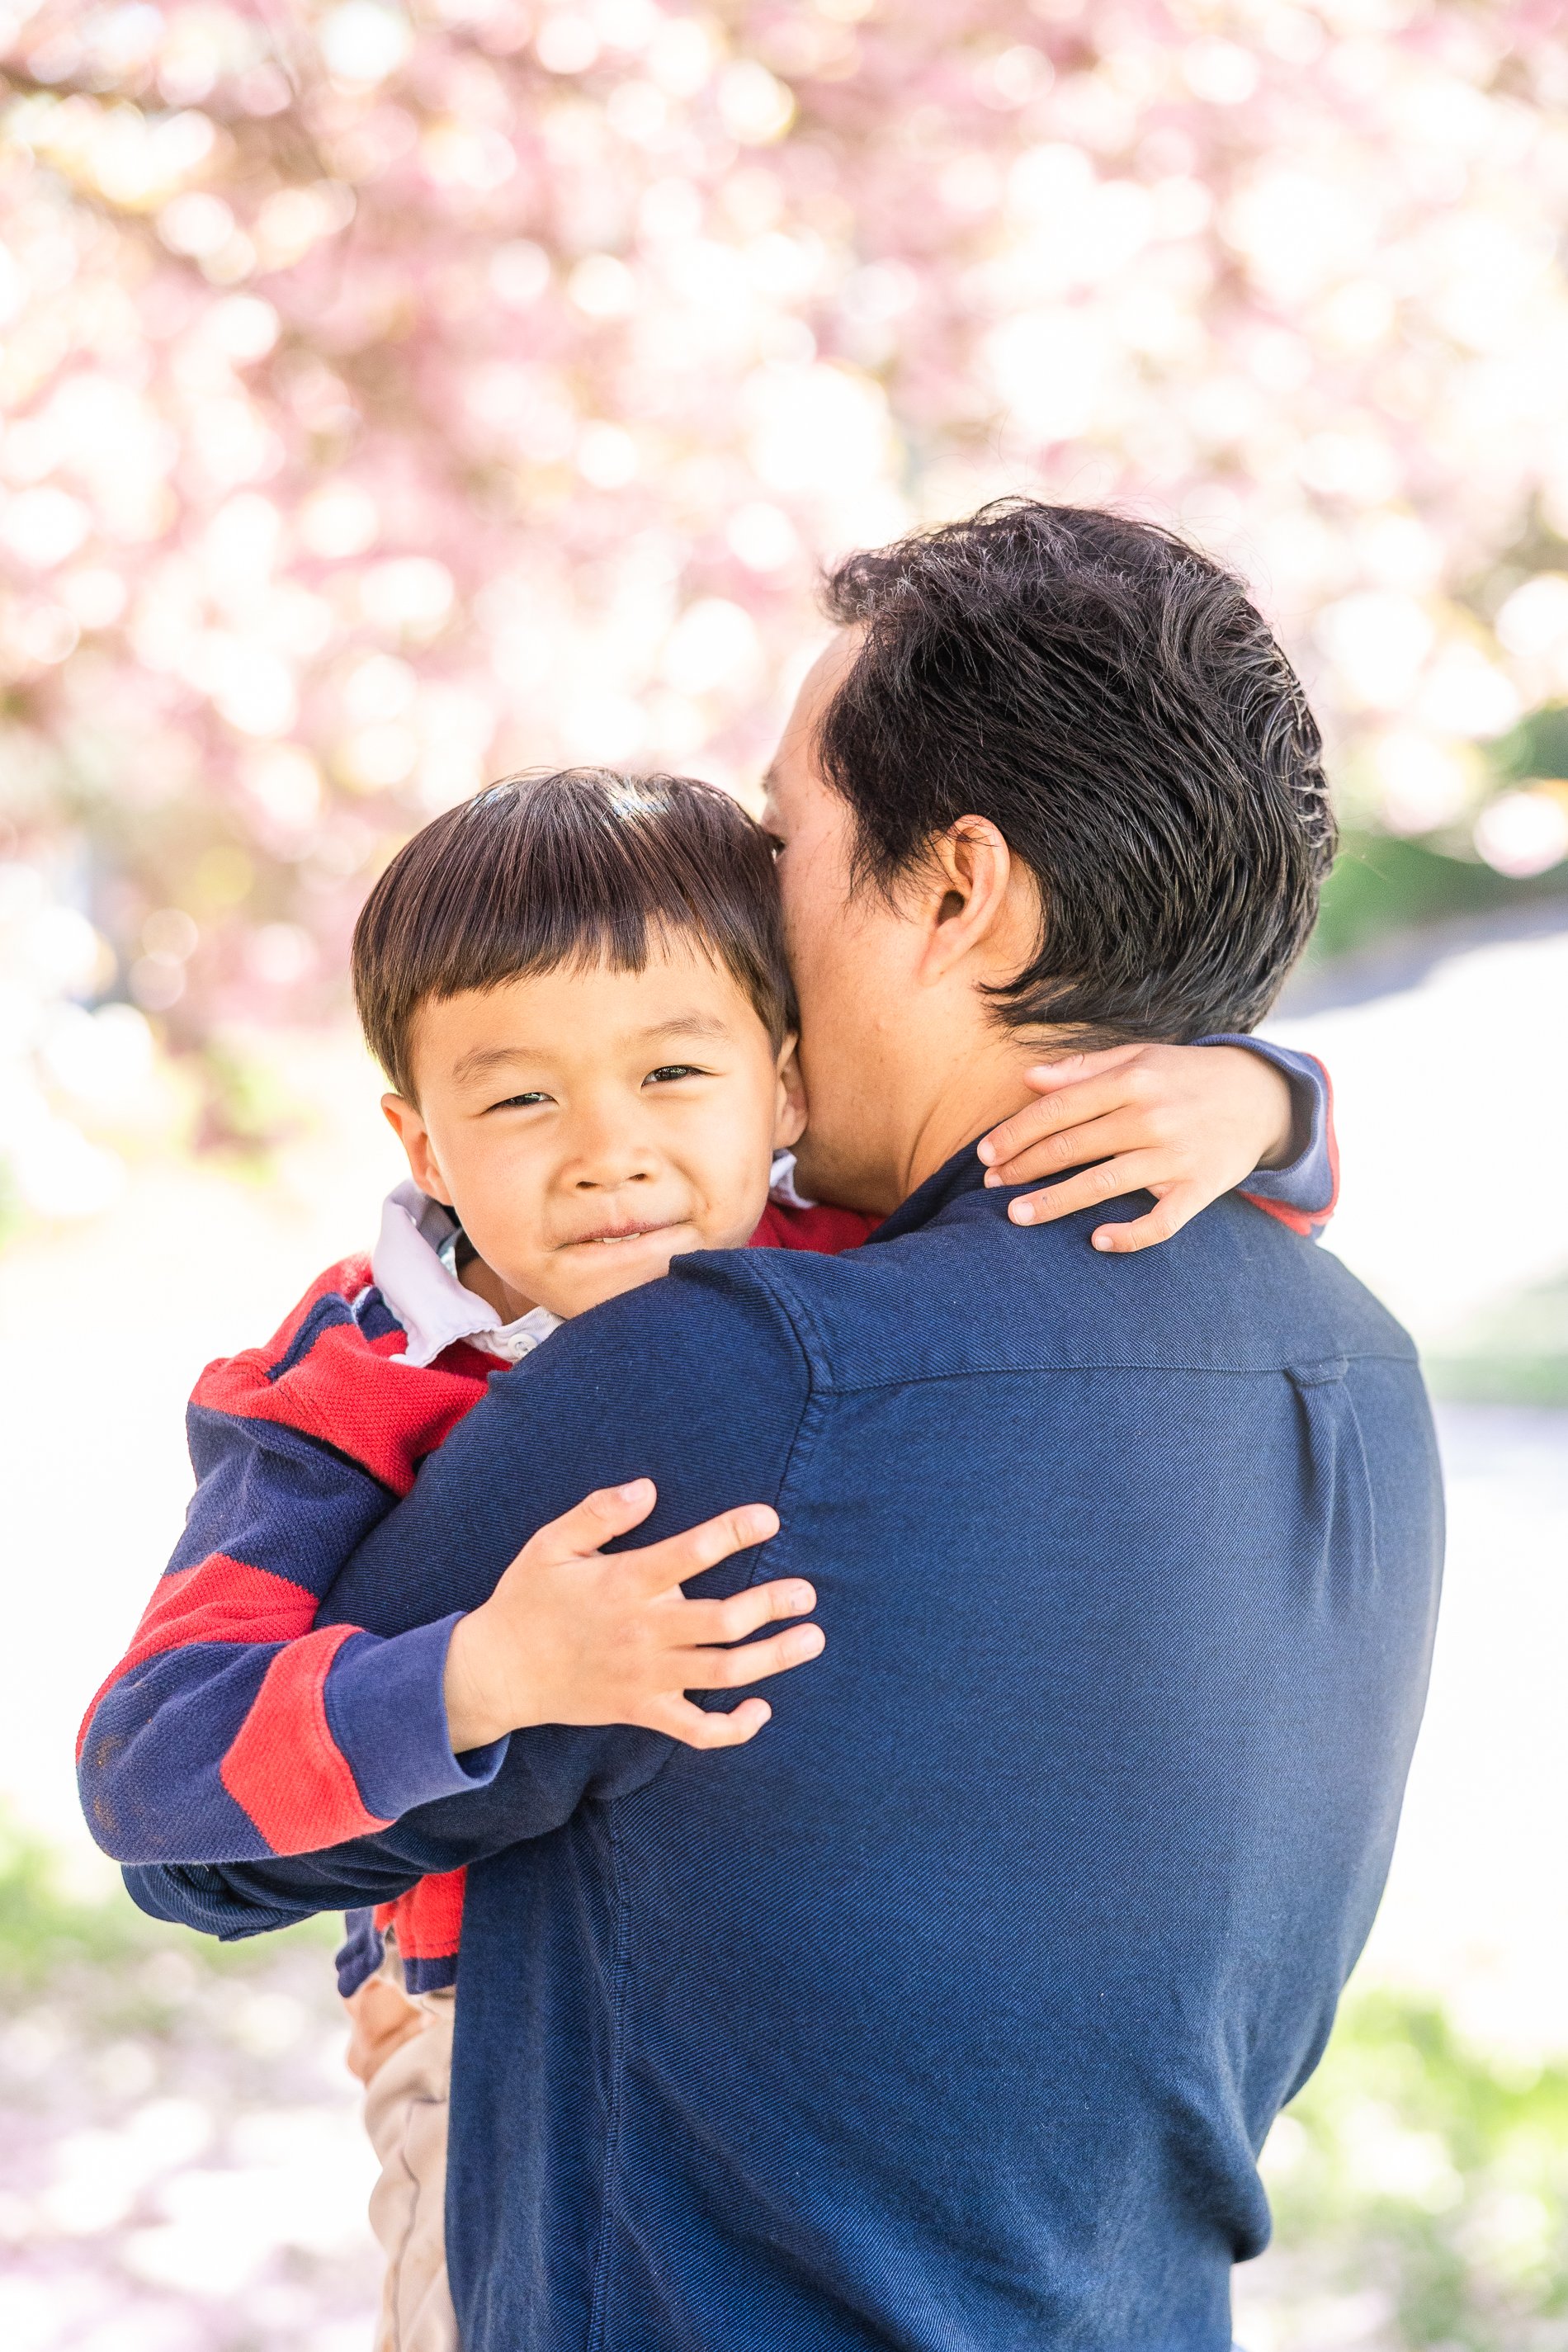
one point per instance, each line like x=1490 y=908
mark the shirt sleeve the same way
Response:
x=1304 y=1193
x=712 y=1420
x=234 y=1726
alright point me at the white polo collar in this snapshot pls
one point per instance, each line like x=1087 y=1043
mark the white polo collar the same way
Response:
x=411 y=1266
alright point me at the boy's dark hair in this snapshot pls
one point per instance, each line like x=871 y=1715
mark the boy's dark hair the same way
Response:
x=585 y=866
x=1114 y=703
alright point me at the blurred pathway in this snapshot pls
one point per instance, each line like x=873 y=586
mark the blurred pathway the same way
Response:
x=1476 y=1907
x=182 y=2168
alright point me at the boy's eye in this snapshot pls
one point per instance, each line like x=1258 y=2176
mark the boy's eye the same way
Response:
x=673 y=1070
x=520 y=1102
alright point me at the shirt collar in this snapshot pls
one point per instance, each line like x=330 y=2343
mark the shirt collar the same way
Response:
x=408 y=1266
x=963 y=1174
x=781 y=1186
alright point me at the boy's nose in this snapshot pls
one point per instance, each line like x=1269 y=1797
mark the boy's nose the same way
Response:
x=611 y=1181
x=605 y=1161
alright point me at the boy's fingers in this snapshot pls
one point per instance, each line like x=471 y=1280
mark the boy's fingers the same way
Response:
x=701 y=1621
x=1132 y=1172
x=608 y=1512
x=695 y=1727
x=1074 y=1106
x=1180 y=1206
x=754 y=1661
x=678 y=1558
x=1119 y=1131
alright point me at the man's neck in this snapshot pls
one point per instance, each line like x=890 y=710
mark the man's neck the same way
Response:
x=928 y=1114
x=988 y=1091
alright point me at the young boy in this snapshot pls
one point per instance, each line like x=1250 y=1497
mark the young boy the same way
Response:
x=577 y=987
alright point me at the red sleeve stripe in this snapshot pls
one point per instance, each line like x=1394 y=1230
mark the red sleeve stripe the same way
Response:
x=1307 y=1221
x=341 y=1280
x=353 y=1395
x=283 y=1766
x=218 y=1600
x=345 y=1281
x=428 y=1920
x=1331 y=1138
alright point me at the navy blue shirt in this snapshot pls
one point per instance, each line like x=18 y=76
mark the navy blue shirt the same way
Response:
x=952 y=2011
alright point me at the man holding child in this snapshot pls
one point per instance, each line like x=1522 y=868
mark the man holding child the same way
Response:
x=953 y=2011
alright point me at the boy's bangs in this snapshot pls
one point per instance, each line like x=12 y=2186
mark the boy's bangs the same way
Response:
x=568 y=870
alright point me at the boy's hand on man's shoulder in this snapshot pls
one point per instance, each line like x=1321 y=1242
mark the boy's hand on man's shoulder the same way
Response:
x=1184 y=1122
x=574 y=1634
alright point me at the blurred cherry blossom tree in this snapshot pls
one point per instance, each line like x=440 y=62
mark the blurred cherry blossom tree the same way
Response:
x=396 y=395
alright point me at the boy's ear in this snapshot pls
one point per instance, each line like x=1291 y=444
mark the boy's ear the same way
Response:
x=403 y=1118
x=789 y=1120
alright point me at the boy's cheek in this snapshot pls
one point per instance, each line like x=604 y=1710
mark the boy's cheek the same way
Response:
x=732 y=1218
x=501 y=1215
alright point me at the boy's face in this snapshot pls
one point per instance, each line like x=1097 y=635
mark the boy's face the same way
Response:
x=588 y=1125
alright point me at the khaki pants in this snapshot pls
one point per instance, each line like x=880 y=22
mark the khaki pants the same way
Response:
x=405 y=2105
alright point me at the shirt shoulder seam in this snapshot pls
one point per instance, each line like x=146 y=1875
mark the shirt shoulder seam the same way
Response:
x=902 y=1380
x=795 y=1311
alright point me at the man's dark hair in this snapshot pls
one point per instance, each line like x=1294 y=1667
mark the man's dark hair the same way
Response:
x=579 y=867
x=1116 y=706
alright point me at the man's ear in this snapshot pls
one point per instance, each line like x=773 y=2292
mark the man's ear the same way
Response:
x=404 y=1119
x=789 y=1115
x=968 y=891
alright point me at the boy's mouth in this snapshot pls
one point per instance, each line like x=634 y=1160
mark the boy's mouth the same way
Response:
x=605 y=1234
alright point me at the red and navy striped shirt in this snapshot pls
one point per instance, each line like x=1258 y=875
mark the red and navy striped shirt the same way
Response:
x=234 y=1729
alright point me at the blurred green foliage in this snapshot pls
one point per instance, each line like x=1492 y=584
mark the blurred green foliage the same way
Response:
x=1514 y=1352
x=46 y=1931
x=1425 y=2188
x=42 y=1926
x=1538 y=746
x=247 y=1105
x=1382 y=886
x=11 y=1211
x=1385 y=887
